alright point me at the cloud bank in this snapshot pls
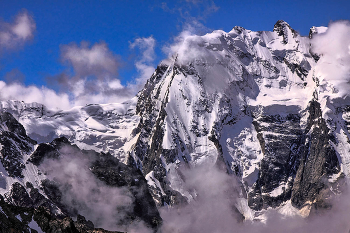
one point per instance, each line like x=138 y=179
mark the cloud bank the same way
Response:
x=90 y=76
x=29 y=94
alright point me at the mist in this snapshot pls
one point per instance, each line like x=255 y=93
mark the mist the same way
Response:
x=333 y=67
x=107 y=207
x=213 y=209
x=212 y=202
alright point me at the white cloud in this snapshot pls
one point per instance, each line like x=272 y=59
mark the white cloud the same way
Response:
x=144 y=64
x=18 y=32
x=29 y=94
x=94 y=77
x=334 y=64
x=91 y=77
x=96 y=60
x=211 y=210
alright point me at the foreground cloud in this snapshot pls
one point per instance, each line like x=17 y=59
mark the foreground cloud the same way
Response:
x=212 y=206
x=15 y=34
x=104 y=205
x=213 y=209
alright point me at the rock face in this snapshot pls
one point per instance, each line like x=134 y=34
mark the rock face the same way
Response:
x=280 y=139
x=318 y=160
x=248 y=102
x=14 y=144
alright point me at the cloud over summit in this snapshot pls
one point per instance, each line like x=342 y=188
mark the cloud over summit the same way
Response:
x=334 y=65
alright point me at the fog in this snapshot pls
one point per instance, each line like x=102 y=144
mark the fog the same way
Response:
x=106 y=206
x=212 y=209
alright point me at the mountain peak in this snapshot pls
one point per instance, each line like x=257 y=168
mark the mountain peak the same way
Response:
x=282 y=28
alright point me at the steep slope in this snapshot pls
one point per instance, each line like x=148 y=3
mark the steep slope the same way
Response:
x=243 y=100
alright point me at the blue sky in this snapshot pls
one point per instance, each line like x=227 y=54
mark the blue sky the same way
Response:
x=118 y=24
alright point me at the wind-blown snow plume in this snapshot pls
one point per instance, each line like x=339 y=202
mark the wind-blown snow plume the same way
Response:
x=334 y=64
x=15 y=34
x=182 y=46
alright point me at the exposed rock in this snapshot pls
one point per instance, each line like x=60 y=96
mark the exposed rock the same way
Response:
x=48 y=150
x=279 y=138
x=18 y=196
x=282 y=28
x=318 y=161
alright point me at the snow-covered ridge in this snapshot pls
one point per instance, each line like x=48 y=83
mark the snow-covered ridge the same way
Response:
x=101 y=127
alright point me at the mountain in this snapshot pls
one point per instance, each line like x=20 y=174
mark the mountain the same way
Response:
x=253 y=104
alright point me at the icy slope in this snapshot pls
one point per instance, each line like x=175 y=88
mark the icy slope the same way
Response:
x=103 y=127
x=247 y=101
x=203 y=103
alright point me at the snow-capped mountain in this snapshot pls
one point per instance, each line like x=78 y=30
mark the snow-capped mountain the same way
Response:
x=248 y=100
x=255 y=104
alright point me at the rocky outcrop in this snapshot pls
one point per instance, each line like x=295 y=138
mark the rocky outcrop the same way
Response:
x=18 y=214
x=279 y=138
x=283 y=29
x=14 y=144
x=318 y=161
x=48 y=150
